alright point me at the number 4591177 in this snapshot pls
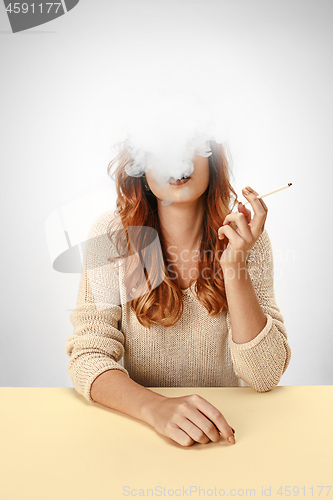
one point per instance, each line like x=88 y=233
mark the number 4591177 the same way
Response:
x=296 y=491
x=16 y=8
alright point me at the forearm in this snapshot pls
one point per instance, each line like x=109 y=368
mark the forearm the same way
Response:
x=115 y=390
x=246 y=315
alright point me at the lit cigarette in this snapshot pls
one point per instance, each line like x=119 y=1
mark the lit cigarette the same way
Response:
x=271 y=192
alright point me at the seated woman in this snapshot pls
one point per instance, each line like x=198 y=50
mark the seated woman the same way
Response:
x=193 y=307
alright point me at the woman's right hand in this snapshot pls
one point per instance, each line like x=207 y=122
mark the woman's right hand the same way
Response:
x=188 y=419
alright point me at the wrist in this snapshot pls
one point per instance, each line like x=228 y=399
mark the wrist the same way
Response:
x=233 y=270
x=148 y=409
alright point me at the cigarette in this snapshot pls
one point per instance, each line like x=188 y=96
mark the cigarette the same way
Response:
x=271 y=192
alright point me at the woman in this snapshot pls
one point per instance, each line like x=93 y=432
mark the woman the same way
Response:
x=211 y=320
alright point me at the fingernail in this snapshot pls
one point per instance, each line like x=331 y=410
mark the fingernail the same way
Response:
x=245 y=191
x=231 y=440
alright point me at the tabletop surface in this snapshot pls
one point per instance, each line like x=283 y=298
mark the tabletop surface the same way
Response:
x=55 y=445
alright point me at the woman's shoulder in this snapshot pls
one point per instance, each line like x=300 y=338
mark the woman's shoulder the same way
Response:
x=107 y=223
x=102 y=239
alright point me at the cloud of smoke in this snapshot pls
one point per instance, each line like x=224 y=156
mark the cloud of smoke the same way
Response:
x=164 y=129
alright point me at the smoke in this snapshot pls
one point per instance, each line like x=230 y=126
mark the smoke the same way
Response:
x=164 y=129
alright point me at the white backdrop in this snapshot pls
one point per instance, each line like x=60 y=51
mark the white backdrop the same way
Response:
x=266 y=64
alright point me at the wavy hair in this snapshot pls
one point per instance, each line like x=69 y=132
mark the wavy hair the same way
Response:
x=156 y=301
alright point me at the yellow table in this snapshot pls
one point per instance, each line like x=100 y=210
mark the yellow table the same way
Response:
x=57 y=446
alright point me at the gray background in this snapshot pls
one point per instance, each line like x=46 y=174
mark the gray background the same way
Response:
x=267 y=64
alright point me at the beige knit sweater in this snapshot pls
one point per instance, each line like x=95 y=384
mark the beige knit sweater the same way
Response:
x=197 y=352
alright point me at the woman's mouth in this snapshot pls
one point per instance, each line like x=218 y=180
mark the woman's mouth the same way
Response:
x=179 y=182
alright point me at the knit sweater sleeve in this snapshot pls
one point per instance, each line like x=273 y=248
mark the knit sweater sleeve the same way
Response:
x=96 y=344
x=262 y=361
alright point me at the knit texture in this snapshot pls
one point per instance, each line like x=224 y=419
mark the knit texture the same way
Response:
x=197 y=352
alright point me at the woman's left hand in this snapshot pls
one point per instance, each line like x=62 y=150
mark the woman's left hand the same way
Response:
x=242 y=240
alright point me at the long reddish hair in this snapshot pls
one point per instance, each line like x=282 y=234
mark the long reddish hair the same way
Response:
x=137 y=206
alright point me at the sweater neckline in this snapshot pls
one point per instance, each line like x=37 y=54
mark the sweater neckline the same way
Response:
x=188 y=289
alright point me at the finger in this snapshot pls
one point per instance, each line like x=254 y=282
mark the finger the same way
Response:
x=256 y=194
x=235 y=239
x=265 y=208
x=260 y=213
x=195 y=431
x=242 y=225
x=215 y=416
x=204 y=425
x=194 y=423
x=245 y=211
x=263 y=204
x=180 y=436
